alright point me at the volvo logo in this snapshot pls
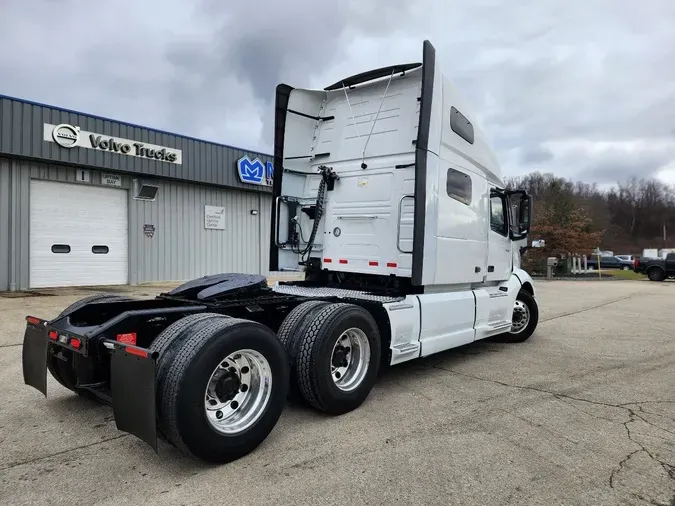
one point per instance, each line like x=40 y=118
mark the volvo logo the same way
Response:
x=66 y=135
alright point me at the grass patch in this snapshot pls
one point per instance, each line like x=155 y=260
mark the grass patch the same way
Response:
x=629 y=274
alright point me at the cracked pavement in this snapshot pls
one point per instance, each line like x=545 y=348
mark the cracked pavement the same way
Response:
x=582 y=413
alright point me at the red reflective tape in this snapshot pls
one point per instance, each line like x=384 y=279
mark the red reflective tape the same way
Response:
x=391 y=264
x=343 y=261
x=138 y=352
x=327 y=260
x=374 y=264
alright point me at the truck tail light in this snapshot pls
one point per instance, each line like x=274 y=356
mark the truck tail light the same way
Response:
x=129 y=338
x=53 y=335
x=75 y=342
x=32 y=320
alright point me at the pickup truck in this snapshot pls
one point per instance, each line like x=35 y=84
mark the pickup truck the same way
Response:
x=657 y=269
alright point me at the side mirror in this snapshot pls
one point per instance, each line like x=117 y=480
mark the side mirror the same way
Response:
x=521 y=208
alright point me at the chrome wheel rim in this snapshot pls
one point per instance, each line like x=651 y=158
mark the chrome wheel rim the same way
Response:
x=521 y=317
x=238 y=391
x=350 y=359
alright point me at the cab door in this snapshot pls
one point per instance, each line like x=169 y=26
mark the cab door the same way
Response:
x=500 y=256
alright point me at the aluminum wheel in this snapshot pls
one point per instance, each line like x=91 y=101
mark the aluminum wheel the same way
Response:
x=521 y=317
x=238 y=391
x=350 y=359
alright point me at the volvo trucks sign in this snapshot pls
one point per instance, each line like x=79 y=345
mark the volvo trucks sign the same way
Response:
x=70 y=136
x=254 y=171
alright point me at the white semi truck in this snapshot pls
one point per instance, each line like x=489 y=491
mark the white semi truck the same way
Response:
x=389 y=200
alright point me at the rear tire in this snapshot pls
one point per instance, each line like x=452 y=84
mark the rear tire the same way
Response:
x=656 y=274
x=290 y=334
x=326 y=383
x=166 y=344
x=62 y=369
x=525 y=308
x=234 y=349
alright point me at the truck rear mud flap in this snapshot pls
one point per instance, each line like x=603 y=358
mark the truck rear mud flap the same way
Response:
x=34 y=356
x=132 y=379
x=132 y=388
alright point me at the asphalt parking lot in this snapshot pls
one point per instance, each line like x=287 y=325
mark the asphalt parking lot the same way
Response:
x=581 y=414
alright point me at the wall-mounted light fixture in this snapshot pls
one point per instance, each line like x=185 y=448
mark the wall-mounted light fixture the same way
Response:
x=144 y=190
x=254 y=212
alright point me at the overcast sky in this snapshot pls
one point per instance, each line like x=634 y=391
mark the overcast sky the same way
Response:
x=583 y=89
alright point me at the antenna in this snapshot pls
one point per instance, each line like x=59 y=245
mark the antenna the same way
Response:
x=363 y=155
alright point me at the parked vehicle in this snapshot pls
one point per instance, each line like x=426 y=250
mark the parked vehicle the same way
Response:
x=605 y=262
x=656 y=269
x=626 y=261
x=409 y=243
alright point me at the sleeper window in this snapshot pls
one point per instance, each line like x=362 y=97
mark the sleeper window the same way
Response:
x=458 y=186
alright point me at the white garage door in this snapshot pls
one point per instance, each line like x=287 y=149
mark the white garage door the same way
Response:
x=78 y=235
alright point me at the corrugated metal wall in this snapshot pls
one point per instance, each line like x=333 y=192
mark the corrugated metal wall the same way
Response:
x=180 y=249
x=21 y=134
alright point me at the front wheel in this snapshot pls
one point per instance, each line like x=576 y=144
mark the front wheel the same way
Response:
x=524 y=319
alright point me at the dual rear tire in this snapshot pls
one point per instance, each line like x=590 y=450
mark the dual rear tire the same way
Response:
x=334 y=352
x=222 y=384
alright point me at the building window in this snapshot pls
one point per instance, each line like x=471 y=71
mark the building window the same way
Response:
x=458 y=186
x=498 y=215
x=461 y=125
x=60 y=248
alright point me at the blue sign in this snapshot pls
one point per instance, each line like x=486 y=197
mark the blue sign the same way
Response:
x=254 y=171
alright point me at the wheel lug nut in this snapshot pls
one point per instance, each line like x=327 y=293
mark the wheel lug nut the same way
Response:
x=234 y=404
x=219 y=414
x=244 y=370
x=244 y=388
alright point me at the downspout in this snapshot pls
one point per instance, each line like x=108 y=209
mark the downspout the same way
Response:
x=12 y=226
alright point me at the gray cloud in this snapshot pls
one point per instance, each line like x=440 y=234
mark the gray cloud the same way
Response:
x=536 y=155
x=575 y=88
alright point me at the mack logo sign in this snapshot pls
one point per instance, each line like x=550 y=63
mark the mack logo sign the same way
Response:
x=69 y=136
x=254 y=171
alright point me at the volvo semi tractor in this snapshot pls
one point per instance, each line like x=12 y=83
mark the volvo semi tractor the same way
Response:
x=390 y=205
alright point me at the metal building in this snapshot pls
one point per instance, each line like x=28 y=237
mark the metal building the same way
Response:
x=86 y=200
